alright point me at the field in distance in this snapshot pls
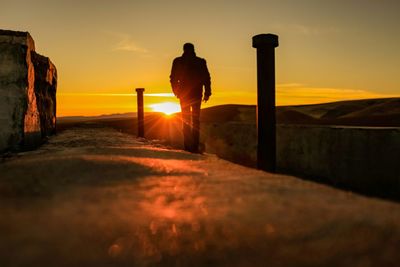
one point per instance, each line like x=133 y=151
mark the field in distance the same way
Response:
x=384 y=112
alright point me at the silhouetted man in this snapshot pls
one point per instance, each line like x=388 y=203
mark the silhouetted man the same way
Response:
x=188 y=76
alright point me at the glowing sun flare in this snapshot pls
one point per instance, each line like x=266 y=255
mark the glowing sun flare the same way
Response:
x=167 y=108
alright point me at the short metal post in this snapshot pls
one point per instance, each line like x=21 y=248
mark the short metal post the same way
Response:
x=266 y=119
x=140 y=112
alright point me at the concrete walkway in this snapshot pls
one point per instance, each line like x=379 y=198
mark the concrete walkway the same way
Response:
x=95 y=197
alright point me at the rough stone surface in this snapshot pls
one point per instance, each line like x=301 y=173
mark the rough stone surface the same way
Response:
x=365 y=159
x=362 y=158
x=20 y=94
x=45 y=90
x=97 y=197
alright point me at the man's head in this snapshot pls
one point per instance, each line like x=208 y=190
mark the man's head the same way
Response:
x=188 y=48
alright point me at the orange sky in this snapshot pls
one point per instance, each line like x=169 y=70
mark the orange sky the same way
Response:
x=329 y=50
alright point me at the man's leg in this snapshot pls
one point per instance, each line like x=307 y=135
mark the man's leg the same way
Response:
x=186 y=124
x=196 y=103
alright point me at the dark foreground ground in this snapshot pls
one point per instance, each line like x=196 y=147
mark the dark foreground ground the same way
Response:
x=96 y=197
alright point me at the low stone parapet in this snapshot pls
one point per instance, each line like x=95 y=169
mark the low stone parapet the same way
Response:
x=364 y=159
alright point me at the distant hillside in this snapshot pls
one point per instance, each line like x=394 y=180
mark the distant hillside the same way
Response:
x=100 y=117
x=231 y=112
x=383 y=112
x=352 y=108
x=368 y=112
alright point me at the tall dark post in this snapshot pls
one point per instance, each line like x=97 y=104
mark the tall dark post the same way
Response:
x=140 y=112
x=266 y=121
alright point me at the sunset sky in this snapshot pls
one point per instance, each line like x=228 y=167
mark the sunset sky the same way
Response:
x=103 y=50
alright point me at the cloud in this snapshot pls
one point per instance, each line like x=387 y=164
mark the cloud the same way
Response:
x=301 y=94
x=126 y=43
x=117 y=94
x=289 y=85
x=297 y=94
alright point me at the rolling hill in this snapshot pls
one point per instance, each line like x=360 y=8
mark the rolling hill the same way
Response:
x=384 y=112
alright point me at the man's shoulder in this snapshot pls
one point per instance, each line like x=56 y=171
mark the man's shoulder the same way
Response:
x=201 y=60
x=197 y=59
x=177 y=59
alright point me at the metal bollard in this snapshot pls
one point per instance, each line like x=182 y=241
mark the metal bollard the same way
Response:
x=140 y=112
x=266 y=118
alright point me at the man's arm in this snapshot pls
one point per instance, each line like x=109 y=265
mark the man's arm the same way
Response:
x=206 y=82
x=173 y=78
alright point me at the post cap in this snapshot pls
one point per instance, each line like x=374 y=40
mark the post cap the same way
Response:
x=262 y=40
x=139 y=90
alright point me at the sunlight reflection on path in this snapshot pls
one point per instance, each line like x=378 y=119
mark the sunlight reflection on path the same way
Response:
x=104 y=199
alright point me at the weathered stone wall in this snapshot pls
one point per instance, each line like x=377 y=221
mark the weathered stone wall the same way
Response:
x=45 y=90
x=21 y=110
x=363 y=159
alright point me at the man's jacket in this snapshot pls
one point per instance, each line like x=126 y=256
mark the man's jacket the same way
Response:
x=188 y=76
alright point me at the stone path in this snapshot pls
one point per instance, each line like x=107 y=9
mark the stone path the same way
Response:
x=95 y=197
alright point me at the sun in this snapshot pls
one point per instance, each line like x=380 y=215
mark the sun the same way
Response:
x=167 y=108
